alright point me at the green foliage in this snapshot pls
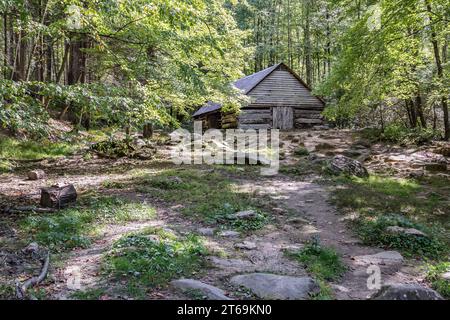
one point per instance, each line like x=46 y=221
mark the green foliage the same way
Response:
x=7 y=291
x=324 y=263
x=373 y=231
x=74 y=227
x=20 y=111
x=152 y=258
x=301 y=152
x=401 y=134
x=434 y=276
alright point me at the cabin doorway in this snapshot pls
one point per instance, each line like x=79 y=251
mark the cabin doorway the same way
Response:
x=283 y=118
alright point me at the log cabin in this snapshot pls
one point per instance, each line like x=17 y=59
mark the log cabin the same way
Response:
x=279 y=99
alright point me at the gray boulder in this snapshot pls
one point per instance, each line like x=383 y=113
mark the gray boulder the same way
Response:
x=405 y=231
x=406 y=292
x=382 y=258
x=343 y=165
x=211 y=292
x=244 y=215
x=271 y=286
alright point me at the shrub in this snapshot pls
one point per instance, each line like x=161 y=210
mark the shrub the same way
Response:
x=434 y=276
x=373 y=231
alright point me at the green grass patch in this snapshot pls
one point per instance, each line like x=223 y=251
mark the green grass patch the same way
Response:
x=301 y=152
x=74 y=227
x=324 y=263
x=205 y=195
x=434 y=276
x=373 y=231
x=325 y=292
x=152 y=258
x=11 y=148
x=383 y=201
x=7 y=291
x=89 y=294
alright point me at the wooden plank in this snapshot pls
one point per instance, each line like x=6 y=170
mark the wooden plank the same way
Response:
x=254 y=126
x=308 y=121
x=255 y=121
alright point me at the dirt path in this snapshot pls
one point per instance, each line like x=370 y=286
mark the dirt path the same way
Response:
x=309 y=201
x=301 y=210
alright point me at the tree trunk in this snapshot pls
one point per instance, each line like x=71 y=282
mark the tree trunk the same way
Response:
x=148 y=131
x=440 y=71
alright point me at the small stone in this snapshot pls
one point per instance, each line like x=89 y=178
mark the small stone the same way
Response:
x=32 y=248
x=406 y=292
x=229 y=234
x=211 y=292
x=279 y=210
x=382 y=258
x=244 y=215
x=297 y=220
x=446 y=276
x=406 y=231
x=293 y=248
x=272 y=286
x=36 y=174
x=206 y=231
x=246 y=245
x=235 y=265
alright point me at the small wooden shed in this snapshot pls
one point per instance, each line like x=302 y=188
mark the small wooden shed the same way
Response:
x=279 y=99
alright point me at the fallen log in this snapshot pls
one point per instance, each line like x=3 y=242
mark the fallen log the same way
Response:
x=21 y=289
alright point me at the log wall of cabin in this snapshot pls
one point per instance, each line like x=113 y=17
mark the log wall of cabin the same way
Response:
x=283 y=89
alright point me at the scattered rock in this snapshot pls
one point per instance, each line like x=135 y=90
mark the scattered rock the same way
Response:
x=292 y=248
x=271 y=286
x=342 y=164
x=232 y=264
x=211 y=292
x=406 y=231
x=406 y=292
x=297 y=220
x=352 y=153
x=382 y=258
x=446 y=276
x=246 y=245
x=32 y=248
x=417 y=174
x=321 y=127
x=36 y=174
x=206 y=231
x=340 y=288
x=244 y=215
x=229 y=234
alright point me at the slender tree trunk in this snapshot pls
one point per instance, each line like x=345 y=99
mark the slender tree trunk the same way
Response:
x=307 y=43
x=440 y=71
